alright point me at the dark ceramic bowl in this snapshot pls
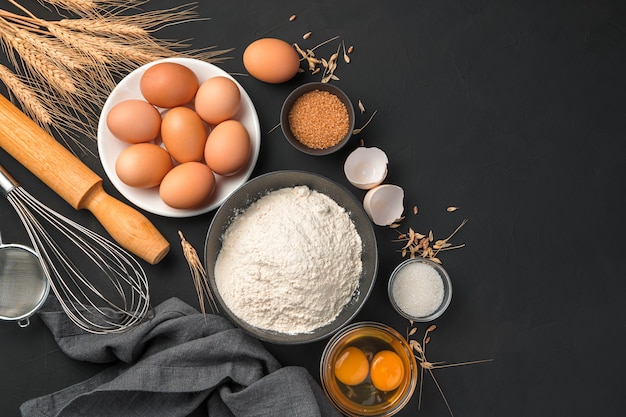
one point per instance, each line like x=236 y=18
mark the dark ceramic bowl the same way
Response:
x=258 y=187
x=291 y=99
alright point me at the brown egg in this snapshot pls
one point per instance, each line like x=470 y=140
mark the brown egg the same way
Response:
x=187 y=186
x=143 y=165
x=184 y=134
x=217 y=99
x=134 y=121
x=168 y=84
x=271 y=60
x=227 y=148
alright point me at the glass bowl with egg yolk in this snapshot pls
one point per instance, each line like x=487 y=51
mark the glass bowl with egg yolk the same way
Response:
x=368 y=369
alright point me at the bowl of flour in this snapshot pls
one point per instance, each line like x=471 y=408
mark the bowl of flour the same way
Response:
x=291 y=257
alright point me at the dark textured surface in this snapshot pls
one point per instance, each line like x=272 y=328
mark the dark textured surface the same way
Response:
x=511 y=110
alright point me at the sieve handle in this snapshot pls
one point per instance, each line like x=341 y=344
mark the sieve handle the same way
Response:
x=76 y=183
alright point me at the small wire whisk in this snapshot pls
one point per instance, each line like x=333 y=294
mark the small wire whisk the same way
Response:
x=107 y=291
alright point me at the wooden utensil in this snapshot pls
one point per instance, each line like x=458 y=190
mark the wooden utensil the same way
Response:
x=76 y=183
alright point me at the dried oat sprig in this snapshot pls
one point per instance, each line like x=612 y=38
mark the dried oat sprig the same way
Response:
x=359 y=130
x=199 y=276
x=326 y=66
x=424 y=364
x=424 y=245
x=330 y=67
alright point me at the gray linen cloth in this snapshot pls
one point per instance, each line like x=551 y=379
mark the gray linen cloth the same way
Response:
x=173 y=363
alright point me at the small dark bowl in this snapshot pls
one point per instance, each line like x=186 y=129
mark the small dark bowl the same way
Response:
x=294 y=95
x=260 y=186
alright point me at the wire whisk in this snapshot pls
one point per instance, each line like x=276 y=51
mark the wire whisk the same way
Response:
x=108 y=292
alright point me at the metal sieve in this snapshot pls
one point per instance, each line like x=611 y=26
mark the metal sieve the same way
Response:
x=23 y=284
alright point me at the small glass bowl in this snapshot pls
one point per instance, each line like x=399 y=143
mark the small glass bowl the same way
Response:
x=291 y=99
x=447 y=289
x=364 y=399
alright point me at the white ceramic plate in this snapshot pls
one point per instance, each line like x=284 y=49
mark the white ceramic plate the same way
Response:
x=109 y=147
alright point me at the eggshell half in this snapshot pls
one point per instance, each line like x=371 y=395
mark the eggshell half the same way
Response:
x=384 y=204
x=366 y=168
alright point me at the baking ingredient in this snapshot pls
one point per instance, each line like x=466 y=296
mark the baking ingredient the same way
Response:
x=384 y=204
x=425 y=364
x=360 y=129
x=199 y=276
x=366 y=168
x=346 y=58
x=227 y=148
x=187 y=185
x=134 y=121
x=184 y=134
x=418 y=289
x=143 y=165
x=418 y=244
x=217 y=99
x=271 y=60
x=327 y=65
x=387 y=370
x=62 y=60
x=351 y=366
x=290 y=262
x=319 y=119
x=168 y=84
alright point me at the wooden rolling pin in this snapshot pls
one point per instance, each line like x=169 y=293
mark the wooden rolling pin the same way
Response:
x=76 y=183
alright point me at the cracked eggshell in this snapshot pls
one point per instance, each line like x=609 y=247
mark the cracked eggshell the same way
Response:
x=366 y=168
x=384 y=204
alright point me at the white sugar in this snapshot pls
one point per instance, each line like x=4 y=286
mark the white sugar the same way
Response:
x=418 y=289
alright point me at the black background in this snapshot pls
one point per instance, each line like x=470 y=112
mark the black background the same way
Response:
x=511 y=110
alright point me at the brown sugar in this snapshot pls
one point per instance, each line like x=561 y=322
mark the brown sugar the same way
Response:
x=318 y=119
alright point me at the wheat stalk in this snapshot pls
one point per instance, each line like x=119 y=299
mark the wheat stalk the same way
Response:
x=64 y=69
x=75 y=5
x=36 y=60
x=26 y=96
x=103 y=26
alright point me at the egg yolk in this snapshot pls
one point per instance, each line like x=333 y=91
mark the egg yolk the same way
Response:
x=387 y=370
x=351 y=366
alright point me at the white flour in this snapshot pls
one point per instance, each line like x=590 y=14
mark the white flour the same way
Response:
x=290 y=262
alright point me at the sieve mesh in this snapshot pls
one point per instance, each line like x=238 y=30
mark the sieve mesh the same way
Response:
x=23 y=285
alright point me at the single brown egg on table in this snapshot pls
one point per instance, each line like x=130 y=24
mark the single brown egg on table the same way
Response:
x=271 y=60
x=217 y=99
x=227 y=148
x=184 y=134
x=134 y=121
x=143 y=165
x=187 y=185
x=168 y=84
